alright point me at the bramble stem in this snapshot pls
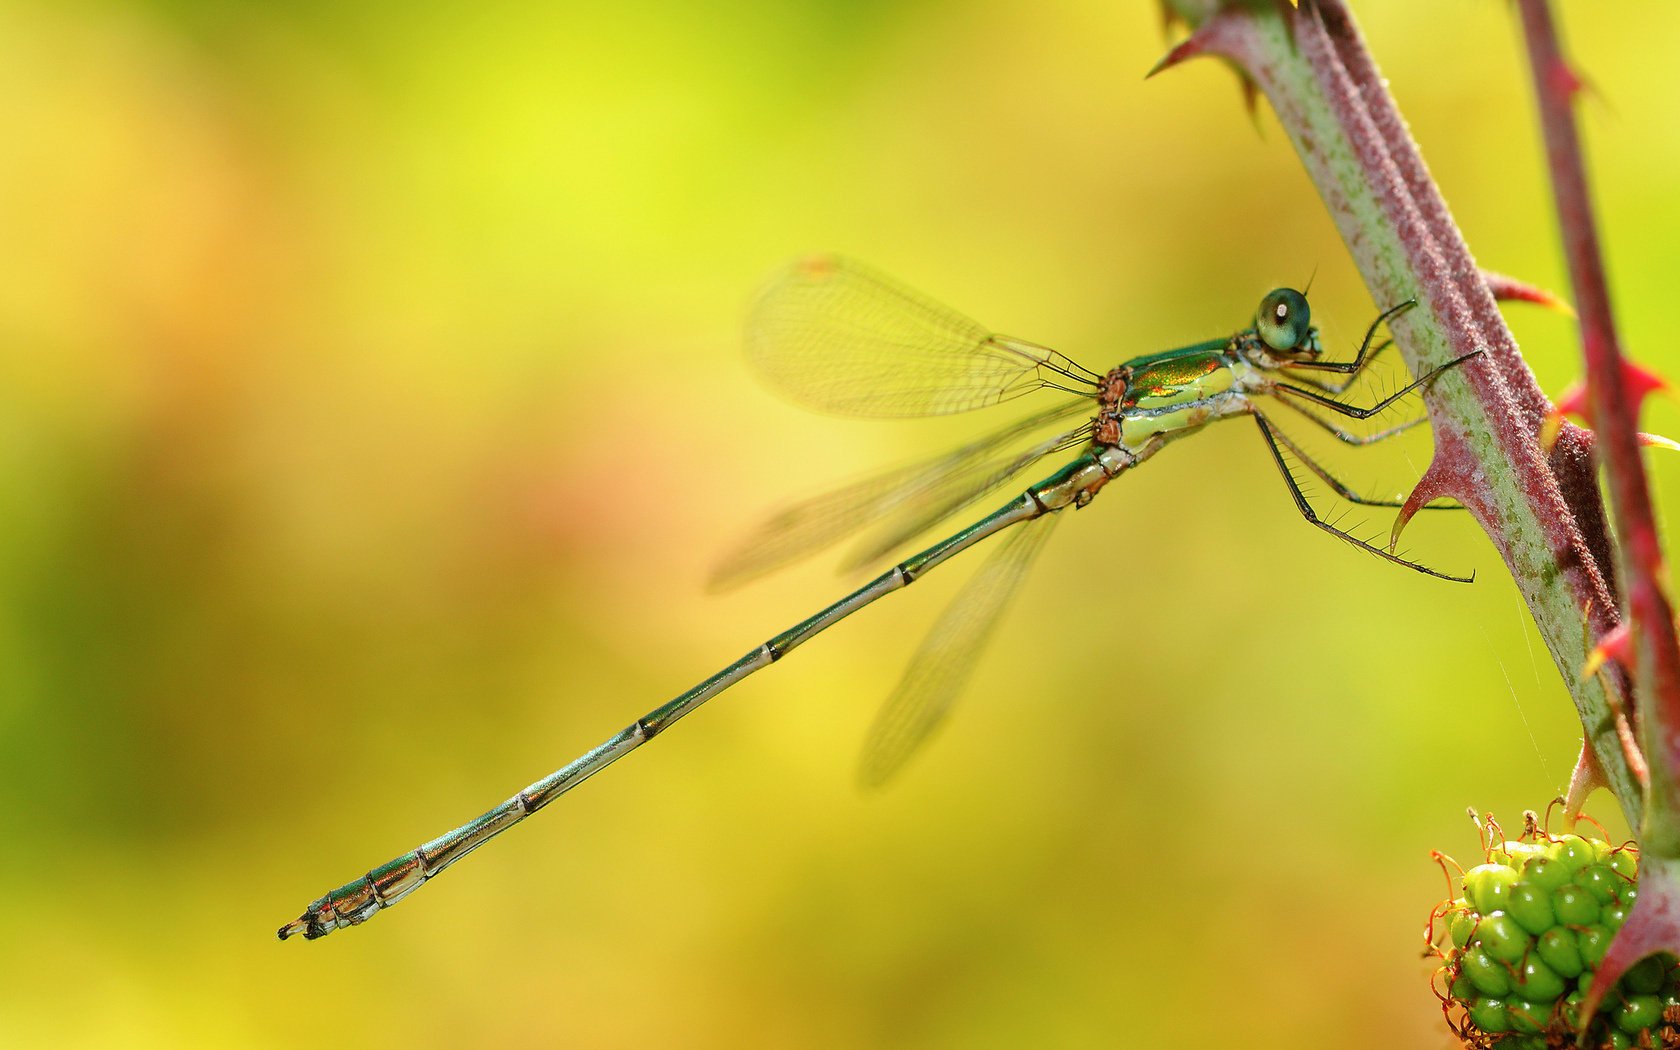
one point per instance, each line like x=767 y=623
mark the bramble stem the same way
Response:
x=1543 y=515
x=1654 y=924
x=1615 y=418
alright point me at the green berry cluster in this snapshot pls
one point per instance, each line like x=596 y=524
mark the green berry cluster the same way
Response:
x=1520 y=946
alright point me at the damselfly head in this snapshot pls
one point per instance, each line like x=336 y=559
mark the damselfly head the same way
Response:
x=1284 y=322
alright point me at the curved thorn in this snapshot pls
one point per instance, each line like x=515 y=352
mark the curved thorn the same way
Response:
x=1587 y=777
x=1190 y=47
x=1508 y=289
x=1617 y=645
x=1230 y=33
x=1429 y=488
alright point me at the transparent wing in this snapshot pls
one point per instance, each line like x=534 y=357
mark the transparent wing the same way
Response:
x=807 y=527
x=839 y=337
x=951 y=480
x=926 y=507
x=944 y=663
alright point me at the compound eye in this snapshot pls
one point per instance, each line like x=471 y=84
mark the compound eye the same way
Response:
x=1284 y=319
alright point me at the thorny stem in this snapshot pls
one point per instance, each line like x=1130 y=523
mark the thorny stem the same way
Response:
x=1654 y=923
x=1543 y=515
x=1615 y=418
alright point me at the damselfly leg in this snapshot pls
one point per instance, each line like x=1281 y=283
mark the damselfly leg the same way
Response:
x=1355 y=412
x=1273 y=439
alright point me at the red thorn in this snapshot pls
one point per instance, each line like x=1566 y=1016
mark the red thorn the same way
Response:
x=1508 y=289
x=1432 y=486
x=1563 y=79
x=1228 y=33
x=1573 y=401
x=1617 y=645
x=1570 y=82
x=1191 y=46
x=1641 y=381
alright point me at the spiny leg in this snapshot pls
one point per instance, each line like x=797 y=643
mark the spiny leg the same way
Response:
x=1350 y=368
x=1348 y=437
x=1342 y=387
x=1301 y=504
x=1366 y=413
x=1340 y=488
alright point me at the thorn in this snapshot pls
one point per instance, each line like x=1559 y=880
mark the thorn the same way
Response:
x=1564 y=79
x=1573 y=401
x=1641 y=381
x=1658 y=441
x=1191 y=46
x=1508 y=289
x=1587 y=778
x=1428 y=489
x=1617 y=645
x=1638 y=381
x=1227 y=33
x=1631 y=754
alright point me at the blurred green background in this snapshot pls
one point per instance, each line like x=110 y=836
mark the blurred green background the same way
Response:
x=373 y=408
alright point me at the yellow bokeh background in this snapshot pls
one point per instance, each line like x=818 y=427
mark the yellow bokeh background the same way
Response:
x=372 y=407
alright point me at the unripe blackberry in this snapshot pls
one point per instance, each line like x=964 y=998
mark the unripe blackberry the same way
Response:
x=1521 y=942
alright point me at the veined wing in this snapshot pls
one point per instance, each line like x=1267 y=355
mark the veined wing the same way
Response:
x=842 y=338
x=952 y=480
x=927 y=507
x=945 y=662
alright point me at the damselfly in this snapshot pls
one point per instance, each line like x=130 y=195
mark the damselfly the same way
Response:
x=845 y=339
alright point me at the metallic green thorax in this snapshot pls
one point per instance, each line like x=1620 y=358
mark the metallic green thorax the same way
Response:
x=1172 y=393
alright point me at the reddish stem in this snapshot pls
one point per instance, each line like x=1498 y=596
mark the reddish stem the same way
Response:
x=1472 y=300
x=1614 y=411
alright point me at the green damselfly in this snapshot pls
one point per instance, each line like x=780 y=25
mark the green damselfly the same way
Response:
x=845 y=339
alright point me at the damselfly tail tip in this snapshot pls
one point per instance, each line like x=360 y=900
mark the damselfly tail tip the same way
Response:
x=309 y=924
x=296 y=926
